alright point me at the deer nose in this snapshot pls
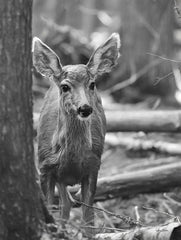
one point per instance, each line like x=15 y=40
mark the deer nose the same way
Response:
x=85 y=110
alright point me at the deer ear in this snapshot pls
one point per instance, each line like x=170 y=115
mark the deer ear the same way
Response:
x=45 y=60
x=105 y=57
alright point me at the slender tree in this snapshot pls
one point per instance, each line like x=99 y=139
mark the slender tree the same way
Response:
x=147 y=27
x=20 y=209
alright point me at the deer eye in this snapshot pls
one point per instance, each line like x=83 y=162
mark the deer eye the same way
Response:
x=92 y=86
x=65 y=88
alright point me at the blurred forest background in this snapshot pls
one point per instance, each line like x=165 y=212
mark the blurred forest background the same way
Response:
x=150 y=36
x=147 y=77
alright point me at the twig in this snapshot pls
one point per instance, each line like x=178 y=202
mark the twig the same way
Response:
x=137 y=213
x=167 y=207
x=156 y=211
x=133 y=78
x=163 y=58
x=171 y=200
x=104 y=228
x=156 y=104
x=105 y=215
x=126 y=219
x=158 y=79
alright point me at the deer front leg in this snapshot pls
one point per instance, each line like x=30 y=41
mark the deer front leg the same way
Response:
x=88 y=189
x=48 y=187
x=66 y=202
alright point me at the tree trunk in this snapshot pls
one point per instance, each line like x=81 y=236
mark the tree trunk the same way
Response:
x=20 y=209
x=147 y=27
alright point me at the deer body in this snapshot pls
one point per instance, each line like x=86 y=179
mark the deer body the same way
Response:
x=69 y=144
x=72 y=124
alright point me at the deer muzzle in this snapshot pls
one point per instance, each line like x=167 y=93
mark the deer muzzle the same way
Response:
x=84 y=111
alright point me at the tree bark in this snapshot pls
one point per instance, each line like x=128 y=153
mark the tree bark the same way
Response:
x=20 y=209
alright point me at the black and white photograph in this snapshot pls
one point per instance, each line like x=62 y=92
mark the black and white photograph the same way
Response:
x=90 y=119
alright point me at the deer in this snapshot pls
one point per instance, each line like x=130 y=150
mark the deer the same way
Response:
x=72 y=124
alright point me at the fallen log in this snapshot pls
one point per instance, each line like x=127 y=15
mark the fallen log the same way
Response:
x=146 y=121
x=169 y=231
x=137 y=165
x=131 y=143
x=150 y=180
x=134 y=121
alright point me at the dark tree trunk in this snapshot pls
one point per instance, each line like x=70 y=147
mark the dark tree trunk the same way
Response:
x=20 y=209
x=147 y=27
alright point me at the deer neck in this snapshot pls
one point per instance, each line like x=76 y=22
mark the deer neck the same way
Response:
x=73 y=133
